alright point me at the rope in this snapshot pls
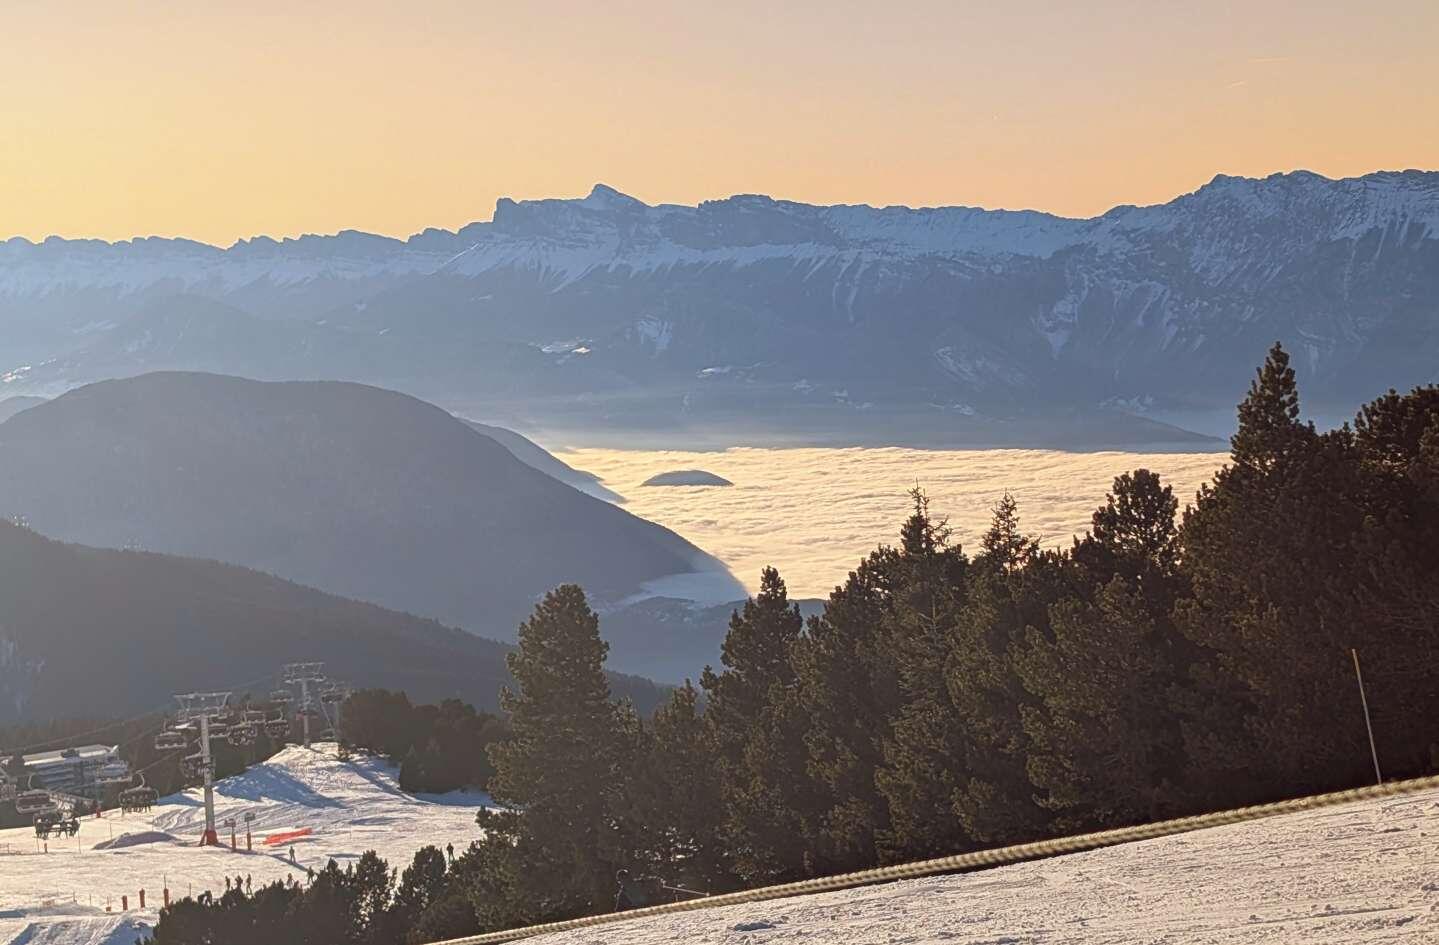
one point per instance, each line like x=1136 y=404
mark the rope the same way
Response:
x=965 y=861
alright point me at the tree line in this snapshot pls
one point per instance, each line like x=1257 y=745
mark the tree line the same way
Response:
x=365 y=903
x=949 y=699
x=437 y=748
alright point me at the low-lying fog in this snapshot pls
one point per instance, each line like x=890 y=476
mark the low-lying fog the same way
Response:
x=813 y=513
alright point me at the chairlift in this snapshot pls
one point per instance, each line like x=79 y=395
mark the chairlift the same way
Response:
x=332 y=696
x=277 y=728
x=281 y=697
x=114 y=772
x=170 y=741
x=46 y=821
x=33 y=801
x=193 y=767
x=139 y=798
x=241 y=736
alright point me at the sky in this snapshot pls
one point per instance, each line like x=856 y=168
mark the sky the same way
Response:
x=217 y=121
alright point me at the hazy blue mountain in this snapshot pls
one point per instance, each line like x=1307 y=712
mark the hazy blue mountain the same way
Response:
x=88 y=632
x=10 y=406
x=351 y=489
x=780 y=319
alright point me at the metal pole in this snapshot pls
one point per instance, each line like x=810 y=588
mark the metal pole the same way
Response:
x=209 y=839
x=305 y=709
x=1364 y=701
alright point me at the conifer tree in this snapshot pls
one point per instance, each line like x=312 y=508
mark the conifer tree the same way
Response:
x=757 y=728
x=1270 y=551
x=676 y=800
x=556 y=848
x=849 y=688
x=1104 y=740
x=925 y=749
x=1011 y=587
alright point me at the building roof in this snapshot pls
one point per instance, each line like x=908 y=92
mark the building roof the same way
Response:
x=45 y=759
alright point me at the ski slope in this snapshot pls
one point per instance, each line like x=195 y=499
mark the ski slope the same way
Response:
x=1362 y=874
x=56 y=894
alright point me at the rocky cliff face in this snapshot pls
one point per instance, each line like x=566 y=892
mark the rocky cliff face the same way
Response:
x=636 y=314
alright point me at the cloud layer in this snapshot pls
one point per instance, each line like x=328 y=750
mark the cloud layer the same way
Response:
x=814 y=513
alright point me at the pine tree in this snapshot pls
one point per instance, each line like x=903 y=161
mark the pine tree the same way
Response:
x=676 y=801
x=926 y=745
x=1011 y=587
x=556 y=847
x=1269 y=427
x=849 y=688
x=1104 y=741
x=757 y=729
x=1398 y=441
x=421 y=884
x=1270 y=551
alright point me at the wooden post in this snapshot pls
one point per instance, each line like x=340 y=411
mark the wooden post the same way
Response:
x=1364 y=701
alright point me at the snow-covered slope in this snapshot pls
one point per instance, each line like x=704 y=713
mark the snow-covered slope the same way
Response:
x=58 y=897
x=1363 y=874
x=607 y=310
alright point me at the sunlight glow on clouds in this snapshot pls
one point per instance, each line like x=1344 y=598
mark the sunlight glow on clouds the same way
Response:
x=814 y=513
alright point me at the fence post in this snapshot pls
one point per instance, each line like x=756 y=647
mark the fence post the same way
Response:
x=1364 y=701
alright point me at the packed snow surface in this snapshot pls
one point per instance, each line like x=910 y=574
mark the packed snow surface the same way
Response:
x=59 y=897
x=1354 y=875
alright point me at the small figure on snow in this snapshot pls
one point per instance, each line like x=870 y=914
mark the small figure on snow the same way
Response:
x=450 y=852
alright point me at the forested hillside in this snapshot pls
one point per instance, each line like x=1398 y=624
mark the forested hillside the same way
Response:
x=87 y=632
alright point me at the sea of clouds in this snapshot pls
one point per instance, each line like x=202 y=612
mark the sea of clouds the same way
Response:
x=814 y=513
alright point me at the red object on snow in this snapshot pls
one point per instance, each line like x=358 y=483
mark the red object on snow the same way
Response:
x=278 y=838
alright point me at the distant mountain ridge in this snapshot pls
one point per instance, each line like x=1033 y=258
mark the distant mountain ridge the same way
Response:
x=354 y=490
x=89 y=632
x=606 y=311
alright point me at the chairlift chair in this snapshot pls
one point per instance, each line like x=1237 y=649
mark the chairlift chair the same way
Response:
x=277 y=728
x=114 y=772
x=33 y=799
x=193 y=767
x=170 y=741
x=139 y=798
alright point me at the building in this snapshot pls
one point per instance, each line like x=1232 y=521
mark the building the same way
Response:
x=68 y=770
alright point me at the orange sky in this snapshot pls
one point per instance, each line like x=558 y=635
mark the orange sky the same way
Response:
x=216 y=121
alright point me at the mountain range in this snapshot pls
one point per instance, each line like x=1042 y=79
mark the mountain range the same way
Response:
x=619 y=319
x=357 y=491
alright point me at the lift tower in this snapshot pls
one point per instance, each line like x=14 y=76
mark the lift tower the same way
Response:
x=305 y=675
x=201 y=709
